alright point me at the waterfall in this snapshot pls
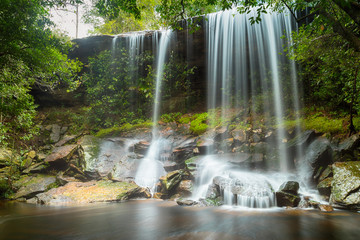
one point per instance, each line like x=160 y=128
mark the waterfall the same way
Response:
x=151 y=167
x=244 y=71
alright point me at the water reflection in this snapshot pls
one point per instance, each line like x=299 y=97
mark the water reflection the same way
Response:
x=152 y=219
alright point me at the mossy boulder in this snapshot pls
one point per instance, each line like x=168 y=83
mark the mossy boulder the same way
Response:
x=346 y=185
x=29 y=186
x=287 y=195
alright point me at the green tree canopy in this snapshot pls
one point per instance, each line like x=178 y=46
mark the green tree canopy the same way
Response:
x=30 y=53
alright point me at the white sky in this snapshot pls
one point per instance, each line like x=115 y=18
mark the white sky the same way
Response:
x=66 y=21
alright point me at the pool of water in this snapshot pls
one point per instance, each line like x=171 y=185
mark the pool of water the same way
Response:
x=152 y=219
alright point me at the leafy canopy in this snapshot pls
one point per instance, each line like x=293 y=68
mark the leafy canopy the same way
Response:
x=30 y=53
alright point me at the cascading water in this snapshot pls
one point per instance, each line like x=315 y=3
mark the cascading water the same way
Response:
x=243 y=65
x=151 y=167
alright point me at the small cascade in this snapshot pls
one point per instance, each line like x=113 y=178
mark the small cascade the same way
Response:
x=151 y=167
x=220 y=178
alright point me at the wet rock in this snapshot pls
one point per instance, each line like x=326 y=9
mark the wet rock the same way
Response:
x=183 y=152
x=326 y=208
x=186 y=202
x=138 y=192
x=302 y=140
x=285 y=199
x=55 y=133
x=171 y=166
x=124 y=170
x=205 y=145
x=141 y=147
x=239 y=135
x=30 y=186
x=290 y=187
x=324 y=187
x=318 y=156
x=221 y=134
x=170 y=181
x=346 y=185
x=287 y=195
x=185 y=188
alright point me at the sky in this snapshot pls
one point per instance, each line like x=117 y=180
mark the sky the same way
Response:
x=66 y=21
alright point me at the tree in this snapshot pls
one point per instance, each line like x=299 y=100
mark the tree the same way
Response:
x=30 y=53
x=125 y=21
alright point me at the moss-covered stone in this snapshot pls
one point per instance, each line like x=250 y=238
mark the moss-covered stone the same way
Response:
x=346 y=184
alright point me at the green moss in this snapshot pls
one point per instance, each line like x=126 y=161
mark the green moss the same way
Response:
x=117 y=130
x=199 y=123
x=52 y=185
x=184 y=120
x=170 y=117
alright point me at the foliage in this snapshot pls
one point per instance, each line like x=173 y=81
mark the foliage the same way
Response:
x=29 y=54
x=177 y=76
x=329 y=67
x=198 y=124
x=170 y=117
x=119 y=87
x=125 y=21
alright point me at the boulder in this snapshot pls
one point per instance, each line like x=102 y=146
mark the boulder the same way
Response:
x=325 y=208
x=324 y=187
x=90 y=192
x=287 y=195
x=186 y=202
x=185 y=188
x=170 y=181
x=348 y=150
x=346 y=185
x=61 y=156
x=290 y=187
x=55 y=133
x=318 y=156
x=302 y=140
x=32 y=185
x=284 y=199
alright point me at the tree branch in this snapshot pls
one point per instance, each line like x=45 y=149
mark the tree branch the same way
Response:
x=342 y=30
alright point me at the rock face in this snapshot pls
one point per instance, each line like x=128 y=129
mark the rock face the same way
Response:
x=318 y=156
x=346 y=185
x=287 y=195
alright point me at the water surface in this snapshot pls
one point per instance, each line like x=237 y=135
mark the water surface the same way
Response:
x=151 y=219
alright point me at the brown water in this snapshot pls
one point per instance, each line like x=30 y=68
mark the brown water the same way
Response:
x=150 y=219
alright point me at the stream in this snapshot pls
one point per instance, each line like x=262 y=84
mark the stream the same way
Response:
x=155 y=219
